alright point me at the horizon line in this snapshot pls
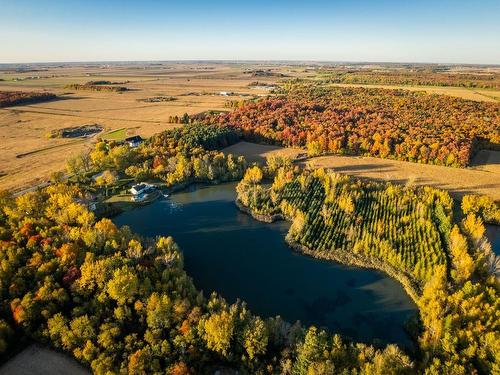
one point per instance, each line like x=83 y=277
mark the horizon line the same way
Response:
x=235 y=61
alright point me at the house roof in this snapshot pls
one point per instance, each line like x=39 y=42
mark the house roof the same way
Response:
x=141 y=187
x=138 y=187
x=135 y=138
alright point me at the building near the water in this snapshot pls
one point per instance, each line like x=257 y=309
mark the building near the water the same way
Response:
x=134 y=141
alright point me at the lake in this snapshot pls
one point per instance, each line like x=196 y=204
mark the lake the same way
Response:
x=231 y=253
x=493 y=235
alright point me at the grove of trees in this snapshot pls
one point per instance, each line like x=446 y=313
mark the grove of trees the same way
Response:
x=397 y=124
x=95 y=87
x=11 y=98
x=175 y=157
x=405 y=227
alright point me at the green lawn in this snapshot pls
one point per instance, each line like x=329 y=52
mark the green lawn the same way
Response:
x=116 y=135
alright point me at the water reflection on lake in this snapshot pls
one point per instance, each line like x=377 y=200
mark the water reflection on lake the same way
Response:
x=231 y=253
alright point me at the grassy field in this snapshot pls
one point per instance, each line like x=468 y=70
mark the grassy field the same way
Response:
x=258 y=153
x=115 y=135
x=28 y=157
x=482 y=178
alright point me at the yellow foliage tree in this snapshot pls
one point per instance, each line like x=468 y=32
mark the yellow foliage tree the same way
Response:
x=253 y=175
x=218 y=332
x=463 y=264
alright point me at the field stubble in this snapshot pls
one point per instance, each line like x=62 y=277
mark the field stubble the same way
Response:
x=28 y=156
x=482 y=178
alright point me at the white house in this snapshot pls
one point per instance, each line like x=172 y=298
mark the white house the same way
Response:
x=141 y=188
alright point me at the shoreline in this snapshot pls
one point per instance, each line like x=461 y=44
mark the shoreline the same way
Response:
x=342 y=257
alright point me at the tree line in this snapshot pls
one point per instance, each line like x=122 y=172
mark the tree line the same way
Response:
x=11 y=98
x=95 y=87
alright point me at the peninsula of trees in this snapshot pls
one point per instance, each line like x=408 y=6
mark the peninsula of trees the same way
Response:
x=446 y=266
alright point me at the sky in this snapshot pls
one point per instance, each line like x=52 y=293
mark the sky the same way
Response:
x=438 y=31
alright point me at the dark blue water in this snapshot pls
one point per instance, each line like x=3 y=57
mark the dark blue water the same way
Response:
x=493 y=235
x=231 y=253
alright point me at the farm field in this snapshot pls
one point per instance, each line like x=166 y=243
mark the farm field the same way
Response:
x=482 y=178
x=28 y=156
x=477 y=94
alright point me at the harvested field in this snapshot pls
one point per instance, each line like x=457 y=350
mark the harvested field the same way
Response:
x=24 y=129
x=479 y=95
x=254 y=152
x=41 y=361
x=458 y=181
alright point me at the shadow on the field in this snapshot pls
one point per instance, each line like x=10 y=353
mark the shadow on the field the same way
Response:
x=364 y=167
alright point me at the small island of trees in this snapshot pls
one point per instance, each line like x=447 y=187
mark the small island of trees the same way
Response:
x=92 y=86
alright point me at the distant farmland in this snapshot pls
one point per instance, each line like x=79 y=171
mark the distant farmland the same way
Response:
x=191 y=89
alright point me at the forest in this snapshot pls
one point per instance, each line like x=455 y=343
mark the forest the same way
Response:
x=11 y=98
x=446 y=266
x=119 y=303
x=396 y=124
x=421 y=77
